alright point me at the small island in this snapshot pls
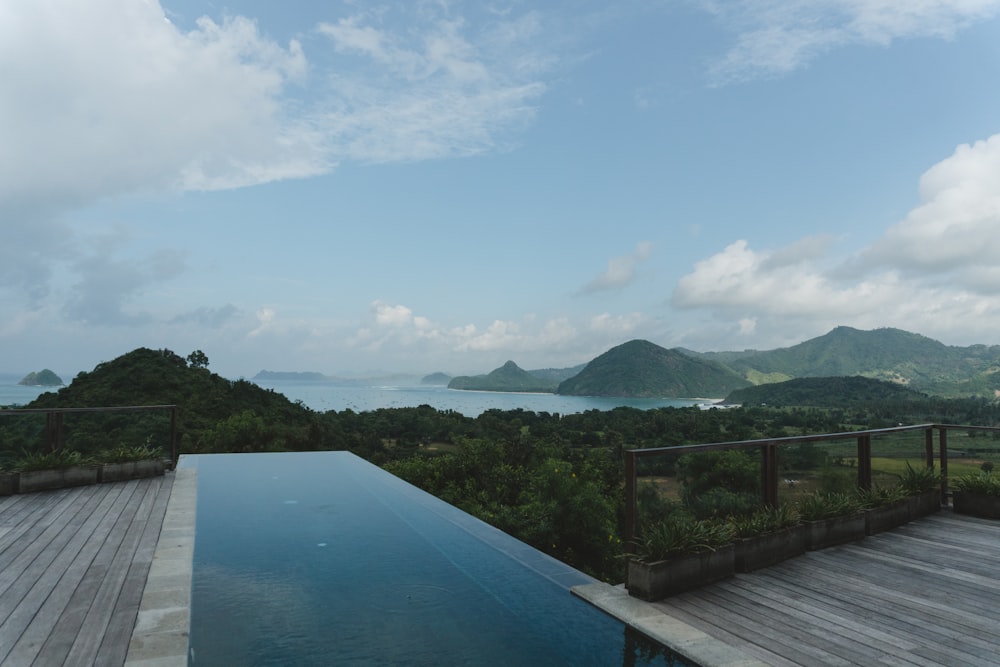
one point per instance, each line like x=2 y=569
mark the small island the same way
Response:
x=43 y=378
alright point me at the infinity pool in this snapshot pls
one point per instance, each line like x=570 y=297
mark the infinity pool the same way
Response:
x=320 y=558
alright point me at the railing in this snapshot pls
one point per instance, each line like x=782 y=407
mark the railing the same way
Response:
x=768 y=448
x=54 y=421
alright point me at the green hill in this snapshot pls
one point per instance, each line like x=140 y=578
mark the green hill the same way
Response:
x=894 y=355
x=215 y=414
x=641 y=369
x=824 y=392
x=509 y=377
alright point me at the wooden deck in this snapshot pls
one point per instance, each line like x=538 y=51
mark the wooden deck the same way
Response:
x=927 y=593
x=73 y=565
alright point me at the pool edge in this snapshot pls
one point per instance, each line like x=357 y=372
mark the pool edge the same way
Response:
x=162 y=628
x=684 y=640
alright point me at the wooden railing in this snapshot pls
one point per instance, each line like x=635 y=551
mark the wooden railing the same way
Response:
x=768 y=448
x=54 y=421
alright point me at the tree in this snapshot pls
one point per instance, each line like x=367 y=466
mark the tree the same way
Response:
x=198 y=359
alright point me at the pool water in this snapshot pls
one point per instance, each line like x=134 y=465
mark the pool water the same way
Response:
x=320 y=558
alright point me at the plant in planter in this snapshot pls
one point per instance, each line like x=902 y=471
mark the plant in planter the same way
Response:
x=680 y=553
x=53 y=470
x=832 y=518
x=768 y=536
x=886 y=507
x=124 y=462
x=923 y=486
x=978 y=495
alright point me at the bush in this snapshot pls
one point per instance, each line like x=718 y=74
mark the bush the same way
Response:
x=680 y=534
x=765 y=520
x=981 y=482
x=822 y=505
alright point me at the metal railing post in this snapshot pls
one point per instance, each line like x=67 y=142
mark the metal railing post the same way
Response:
x=943 y=453
x=631 y=500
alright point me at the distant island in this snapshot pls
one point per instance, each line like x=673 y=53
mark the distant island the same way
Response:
x=43 y=378
x=436 y=379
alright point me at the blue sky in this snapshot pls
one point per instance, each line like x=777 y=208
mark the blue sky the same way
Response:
x=358 y=188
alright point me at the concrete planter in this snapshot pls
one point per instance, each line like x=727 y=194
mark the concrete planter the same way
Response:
x=881 y=519
x=837 y=530
x=651 y=581
x=43 y=480
x=753 y=553
x=924 y=504
x=119 y=472
x=976 y=504
x=9 y=483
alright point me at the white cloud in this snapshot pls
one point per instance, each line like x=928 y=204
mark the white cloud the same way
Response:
x=776 y=37
x=934 y=272
x=621 y=270
x=954 y=230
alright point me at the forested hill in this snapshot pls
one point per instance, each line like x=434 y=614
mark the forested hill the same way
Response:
x=216 y=414
x=509 y=377
x=827 y=392
x=641 y=369
x=895 y=355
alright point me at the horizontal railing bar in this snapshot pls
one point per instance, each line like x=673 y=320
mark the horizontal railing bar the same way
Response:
x=784 y=440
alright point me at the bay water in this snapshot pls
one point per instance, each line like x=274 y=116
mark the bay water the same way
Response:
x=366 y=397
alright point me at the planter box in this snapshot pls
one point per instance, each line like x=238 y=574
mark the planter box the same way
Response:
x=881 y=519
x=924 y=504
x=659 y=579
x=42 y=480
x=119 y=472
x=976 y=504
x=753 y=553
x=8 y=483
x=838 y=530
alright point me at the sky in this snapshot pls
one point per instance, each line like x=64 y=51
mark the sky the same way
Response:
x=359 y=188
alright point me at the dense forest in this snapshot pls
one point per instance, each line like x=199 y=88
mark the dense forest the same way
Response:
x=552 y=480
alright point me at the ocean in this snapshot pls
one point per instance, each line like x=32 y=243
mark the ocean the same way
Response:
x=325 y=396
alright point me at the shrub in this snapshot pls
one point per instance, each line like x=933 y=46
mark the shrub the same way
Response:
x=881 y=496
x=820 y=506
x=765 y=520
x=981 y=482
x=919 y=480
x=680 y=534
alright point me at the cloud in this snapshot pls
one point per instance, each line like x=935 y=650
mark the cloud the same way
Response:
x=212 y=318
x=448 y=90
x=107 y=285
x=110 y=98
x=933 y=272
x=776 y=37
x=953 y=231
x=621 y=270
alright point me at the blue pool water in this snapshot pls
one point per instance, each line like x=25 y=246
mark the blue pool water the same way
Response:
x=320 y=558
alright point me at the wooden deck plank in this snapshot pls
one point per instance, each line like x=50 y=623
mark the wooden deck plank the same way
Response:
x=925 y=594
x=46 y=596
x=73 y=565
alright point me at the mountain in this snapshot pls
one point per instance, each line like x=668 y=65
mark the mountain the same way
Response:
x=824 y=392
x=509 y=377
x=641 y=369
x=43 y=378
x=436 y=379
x=909 y=359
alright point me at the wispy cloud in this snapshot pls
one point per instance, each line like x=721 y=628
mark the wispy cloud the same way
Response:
x=621 y=270
x=775 y=37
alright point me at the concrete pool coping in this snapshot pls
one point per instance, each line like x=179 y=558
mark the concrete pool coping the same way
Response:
x=162 y=628
x=681 y=638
